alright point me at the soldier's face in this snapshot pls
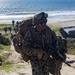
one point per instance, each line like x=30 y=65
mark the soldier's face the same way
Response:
x=41 y=26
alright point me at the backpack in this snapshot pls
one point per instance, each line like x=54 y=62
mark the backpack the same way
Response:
x=17 y=39
x=25 y=25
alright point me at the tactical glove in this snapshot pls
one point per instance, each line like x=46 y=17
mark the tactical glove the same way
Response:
x=15 y=40
x=39 y=53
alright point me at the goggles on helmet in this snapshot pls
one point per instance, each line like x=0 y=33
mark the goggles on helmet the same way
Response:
x=42 y=21
x=40 y=16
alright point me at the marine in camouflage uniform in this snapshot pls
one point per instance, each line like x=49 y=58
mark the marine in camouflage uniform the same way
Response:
x=10 y=29
x=34 y=39
x=5 y=29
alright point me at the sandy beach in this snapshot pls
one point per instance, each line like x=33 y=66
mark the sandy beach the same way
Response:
x=63 y=22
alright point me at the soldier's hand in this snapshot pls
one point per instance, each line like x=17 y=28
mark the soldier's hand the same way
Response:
x=15 y=40
x=39 y=53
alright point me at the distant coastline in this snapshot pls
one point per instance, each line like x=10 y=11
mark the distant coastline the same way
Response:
x=53 y=16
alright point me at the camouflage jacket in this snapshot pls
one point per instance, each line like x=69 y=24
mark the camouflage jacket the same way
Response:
x=33 y=40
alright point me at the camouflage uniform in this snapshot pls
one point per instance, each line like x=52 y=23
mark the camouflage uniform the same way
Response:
x=10 y=29
x=13 y=23
x=32 y=43
x=5 y=29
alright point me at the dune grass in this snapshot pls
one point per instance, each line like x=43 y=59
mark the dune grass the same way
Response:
x=56 y=29
x=71 y=47
x=2 y=26
x=7 y=66
x=4 y=47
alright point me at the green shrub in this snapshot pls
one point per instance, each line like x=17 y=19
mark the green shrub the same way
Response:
x=6 y=41
x=6 y=66
x=3 y=47
x=71 y=47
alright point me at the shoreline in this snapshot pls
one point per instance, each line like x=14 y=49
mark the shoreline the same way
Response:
x=63 y=22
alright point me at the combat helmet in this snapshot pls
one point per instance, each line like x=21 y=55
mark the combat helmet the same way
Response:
x=41 y=17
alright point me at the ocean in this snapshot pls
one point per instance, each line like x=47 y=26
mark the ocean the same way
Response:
x=20 y=9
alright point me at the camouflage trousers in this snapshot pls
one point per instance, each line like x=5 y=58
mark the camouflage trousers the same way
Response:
x=39 y=67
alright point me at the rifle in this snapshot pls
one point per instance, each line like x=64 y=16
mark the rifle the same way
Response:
x=55 y=53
